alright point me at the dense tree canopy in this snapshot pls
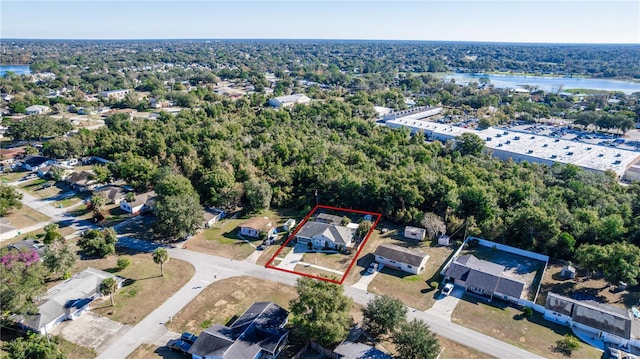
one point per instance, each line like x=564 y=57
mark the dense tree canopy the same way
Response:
x=321 y=311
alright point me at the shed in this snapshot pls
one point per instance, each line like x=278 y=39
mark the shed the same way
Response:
x=444 y=240
x=415 y=233
x=568 y=271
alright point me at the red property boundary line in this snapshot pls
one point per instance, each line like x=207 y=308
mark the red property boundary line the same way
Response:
x=304 y=221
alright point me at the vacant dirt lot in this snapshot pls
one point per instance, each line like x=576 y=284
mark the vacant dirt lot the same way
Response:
x=25 y=217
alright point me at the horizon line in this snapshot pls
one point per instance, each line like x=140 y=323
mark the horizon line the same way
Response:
x=315 y=39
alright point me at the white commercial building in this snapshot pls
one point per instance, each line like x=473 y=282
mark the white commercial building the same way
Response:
x=520 y=146
x=289 y=101
x=114 y=94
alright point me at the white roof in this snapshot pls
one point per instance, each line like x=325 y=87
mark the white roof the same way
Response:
x=290 y=98
x=538 y=148
x=37 y=107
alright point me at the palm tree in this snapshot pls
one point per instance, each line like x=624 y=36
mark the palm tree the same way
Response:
x=160 y=256
x=109 y=286
x=130 y=197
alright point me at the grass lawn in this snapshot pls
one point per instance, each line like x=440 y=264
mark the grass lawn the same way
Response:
x=75 y=351
x=225 y=299
x=317 y=272
x=145 y=290
x=335 y=261
x=13 y=176
x=222 y=241
x=146 y=351
x=534 y=333
x=25 y=217
x=453 y=350
x=413 y=290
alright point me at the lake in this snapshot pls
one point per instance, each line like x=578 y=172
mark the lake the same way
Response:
x=548 y=83
x=17 y=69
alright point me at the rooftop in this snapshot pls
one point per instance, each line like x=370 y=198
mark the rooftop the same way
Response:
x=401 y=254
x=539 y=148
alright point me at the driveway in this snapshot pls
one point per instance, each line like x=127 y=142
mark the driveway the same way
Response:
x=367 y=278
x=445 y=304
x=293 y=257
x=91 y=330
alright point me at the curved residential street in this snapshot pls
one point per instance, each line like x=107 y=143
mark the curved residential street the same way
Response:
x=151 y=329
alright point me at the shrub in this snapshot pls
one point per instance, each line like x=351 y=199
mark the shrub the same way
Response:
x=527 y=311
x=123 y=262
x=435 y=285
x=567 y=345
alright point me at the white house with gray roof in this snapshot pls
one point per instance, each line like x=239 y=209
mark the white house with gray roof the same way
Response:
x=67 y=300
x=485 y=278
x=605 y=322
x=401 y=258
x=325 y=235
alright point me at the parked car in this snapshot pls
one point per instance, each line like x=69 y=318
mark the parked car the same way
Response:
x=188 y=337
x=179 y=345
x=446 y=290
x=372 y=267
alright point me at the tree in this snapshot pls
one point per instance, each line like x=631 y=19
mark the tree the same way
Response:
x=109 y=286
x=414 y=340
x=567 y=345
x=433 y=224
x=97 y=203
x=123 y=262
x=178 y=216
x=321 y=311
x=98 y=243
x=51 y=233
x=383 y=314
x=363 y=228
x=258 y=193
x=35 y=346
x=160 y=256
x=9 y=198
x=59 y=258
x=21 y=280
x=469 y=144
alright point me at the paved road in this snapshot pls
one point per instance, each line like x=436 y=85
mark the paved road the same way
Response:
x=151 y=329
x=57 y=215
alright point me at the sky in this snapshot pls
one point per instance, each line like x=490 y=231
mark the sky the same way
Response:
x=572 y=21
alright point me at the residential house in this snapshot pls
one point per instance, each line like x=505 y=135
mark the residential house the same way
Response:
x=114 y=94
x=605 y=322
x=67 y=300
x=143 y=202
x=401 y=258
x=289 y=101
x=9 y=156
x=37 y=110
x=329 y=219
x=252 y=227
x=415 y=233
x=324 y=235
x=50 y=171
x=211 y=216
x=82 y=181
x=34 y=163
x=354 y=350
x=29 y=244
x=258 y=333
x=484 y=277
x=112 y=194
